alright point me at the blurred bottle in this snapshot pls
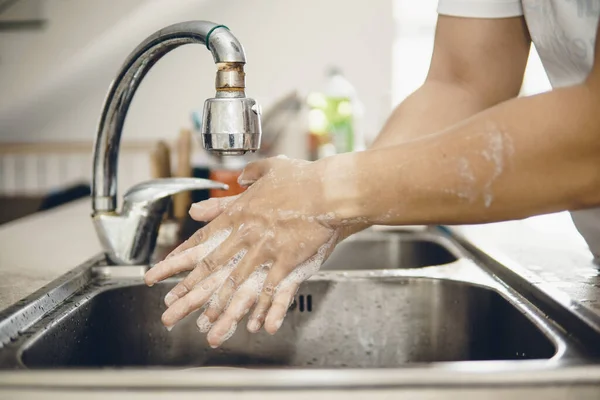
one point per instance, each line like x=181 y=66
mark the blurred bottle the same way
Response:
x=335 y=118
x=227 y=171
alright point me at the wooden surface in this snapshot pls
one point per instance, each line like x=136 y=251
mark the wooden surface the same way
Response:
x=183 y=200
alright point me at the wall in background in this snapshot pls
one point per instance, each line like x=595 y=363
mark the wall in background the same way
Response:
x=53 y=83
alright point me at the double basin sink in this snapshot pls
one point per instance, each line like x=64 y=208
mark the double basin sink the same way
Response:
x=382 y=300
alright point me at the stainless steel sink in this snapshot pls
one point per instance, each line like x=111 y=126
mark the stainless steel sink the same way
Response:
x=390 y=250
x=355 y=322
x=383 y=300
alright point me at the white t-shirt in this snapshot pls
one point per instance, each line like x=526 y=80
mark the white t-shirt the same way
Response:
x=564 y=34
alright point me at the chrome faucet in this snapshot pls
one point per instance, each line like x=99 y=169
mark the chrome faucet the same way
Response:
x=231 y=126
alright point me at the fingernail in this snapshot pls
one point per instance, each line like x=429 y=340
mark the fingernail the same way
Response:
x=241 y=179
x=169 y=328
x=203 y=323
x=245 y=183
x=170 y=298
x=253 y=325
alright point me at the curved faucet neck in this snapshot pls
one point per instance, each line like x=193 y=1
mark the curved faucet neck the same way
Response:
x=229 y=56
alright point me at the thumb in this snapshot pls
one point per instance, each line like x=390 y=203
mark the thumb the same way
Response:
x=254 y=171
x=207 y=210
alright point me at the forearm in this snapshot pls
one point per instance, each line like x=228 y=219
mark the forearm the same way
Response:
x=436 y=105
x=524 y=157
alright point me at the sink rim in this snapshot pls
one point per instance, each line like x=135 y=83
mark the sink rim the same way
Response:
x=458 y=374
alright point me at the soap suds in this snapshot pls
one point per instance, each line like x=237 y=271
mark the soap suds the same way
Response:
x=309 y=267
x=199 y=252
x=203 y=323
x=225 y=272
x=247 y=294
x=230 y=332
x=204 y=249
x=468 y=181
x=499 y=150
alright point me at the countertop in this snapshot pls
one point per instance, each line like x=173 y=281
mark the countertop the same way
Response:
x=549 y=250
x=37 y=249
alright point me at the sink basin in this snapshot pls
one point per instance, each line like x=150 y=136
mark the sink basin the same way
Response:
x=353 y=323
x=382 y=300
x=379 y=250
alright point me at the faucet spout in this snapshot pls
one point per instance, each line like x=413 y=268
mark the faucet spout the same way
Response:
x=231 y=121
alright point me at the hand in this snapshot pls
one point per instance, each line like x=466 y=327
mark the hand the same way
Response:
x=256 y=251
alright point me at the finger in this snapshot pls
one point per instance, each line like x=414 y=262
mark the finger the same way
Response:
x=283 y=274
x=196 y=297
x=254 y=171
x=241 y=303
x=282 y=300
x=202 y=243
x=193 y=241
x=277 y=273
x=236 y=279
x=210 y=209
x=204 y=267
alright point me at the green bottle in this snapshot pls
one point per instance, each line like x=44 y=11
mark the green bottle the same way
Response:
x=341 y=111
x=334 y=116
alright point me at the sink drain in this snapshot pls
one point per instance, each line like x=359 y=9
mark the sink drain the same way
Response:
x=302 y=303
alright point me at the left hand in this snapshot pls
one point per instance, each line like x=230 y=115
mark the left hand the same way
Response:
x=256 y=251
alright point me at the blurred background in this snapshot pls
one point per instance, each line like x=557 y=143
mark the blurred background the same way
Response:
x=327 y=74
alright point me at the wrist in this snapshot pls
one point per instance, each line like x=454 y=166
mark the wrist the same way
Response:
x=343 y=189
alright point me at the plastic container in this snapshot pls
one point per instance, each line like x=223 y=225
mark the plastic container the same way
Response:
x=335 y=118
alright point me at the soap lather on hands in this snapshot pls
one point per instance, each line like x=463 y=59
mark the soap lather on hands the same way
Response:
x=255 y=252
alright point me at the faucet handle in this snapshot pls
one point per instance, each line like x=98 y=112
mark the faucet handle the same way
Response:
x=128 y=238
x=149 y=194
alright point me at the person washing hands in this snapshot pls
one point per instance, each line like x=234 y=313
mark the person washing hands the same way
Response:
x=462 y=149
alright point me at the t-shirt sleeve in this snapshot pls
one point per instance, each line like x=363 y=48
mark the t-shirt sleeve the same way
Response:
x=480 y=8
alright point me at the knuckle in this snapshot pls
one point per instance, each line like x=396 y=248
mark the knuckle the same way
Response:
x=209 y=264
x=188 y=284
x=197 y=237
x=245 y=229
x=268 y=289
x=234 y=280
